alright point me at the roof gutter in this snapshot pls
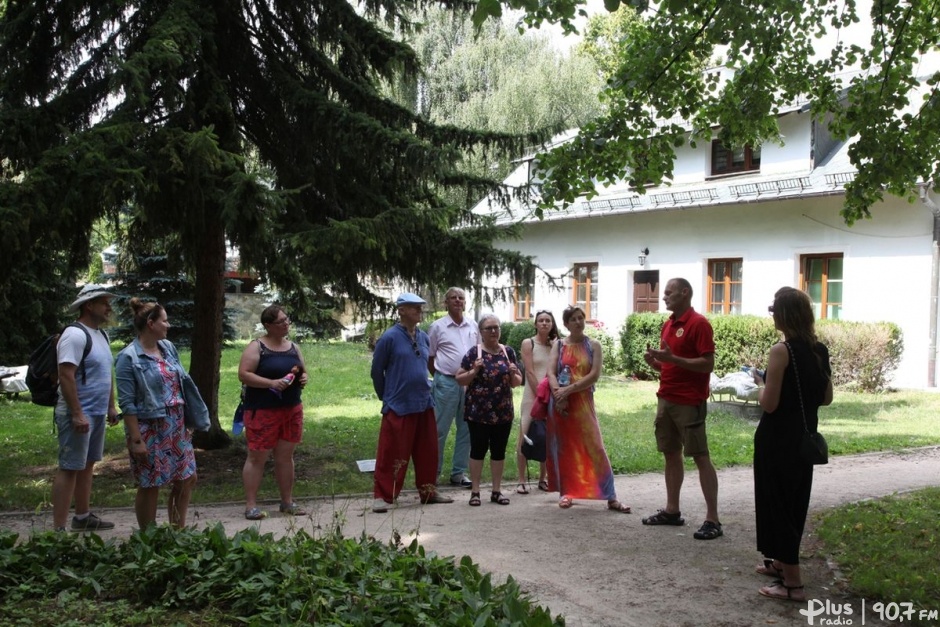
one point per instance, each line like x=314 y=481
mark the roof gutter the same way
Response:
x=934 y=282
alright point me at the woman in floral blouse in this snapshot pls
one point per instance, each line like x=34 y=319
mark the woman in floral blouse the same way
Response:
x=489 y=372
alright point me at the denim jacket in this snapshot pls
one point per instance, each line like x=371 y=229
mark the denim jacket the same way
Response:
x=140 y=387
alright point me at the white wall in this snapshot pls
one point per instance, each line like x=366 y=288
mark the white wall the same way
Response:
x=887 y=260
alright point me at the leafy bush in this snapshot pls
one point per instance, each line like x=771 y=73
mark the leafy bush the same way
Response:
x=862 y=354
x=612 y=362
x=638 y=331
x=742 y=341
x=520 y=331
x=505 y=331
x=375 y=328
x=260 y=580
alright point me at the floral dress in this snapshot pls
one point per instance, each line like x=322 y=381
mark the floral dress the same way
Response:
x=170 y=454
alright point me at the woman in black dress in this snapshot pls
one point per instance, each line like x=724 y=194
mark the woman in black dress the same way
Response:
x=782 y=479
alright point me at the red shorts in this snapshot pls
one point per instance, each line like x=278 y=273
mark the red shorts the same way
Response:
x=265 y=427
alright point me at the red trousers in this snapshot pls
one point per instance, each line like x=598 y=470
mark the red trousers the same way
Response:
x=404 y=438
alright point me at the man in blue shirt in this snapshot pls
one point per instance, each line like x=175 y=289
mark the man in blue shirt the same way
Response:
x=409 y=428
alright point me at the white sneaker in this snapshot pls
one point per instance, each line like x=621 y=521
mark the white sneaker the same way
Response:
x=379 y=506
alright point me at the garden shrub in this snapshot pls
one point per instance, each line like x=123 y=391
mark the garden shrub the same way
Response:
x=862 y=354
x=742 y=341
x=638 y=331
x=505 y=330
x=375 y=328
x=520 y=331
x=612 y=362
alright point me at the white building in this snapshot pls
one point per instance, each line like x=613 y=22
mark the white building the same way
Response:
x=739 y=224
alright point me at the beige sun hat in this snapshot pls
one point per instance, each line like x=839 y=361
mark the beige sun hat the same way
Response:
x=90 y=292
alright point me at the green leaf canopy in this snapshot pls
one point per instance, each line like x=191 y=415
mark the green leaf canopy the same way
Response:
x=256 y=123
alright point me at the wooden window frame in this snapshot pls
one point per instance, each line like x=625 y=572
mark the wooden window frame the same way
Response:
x=590 y=291
x=824 y=301
x=727 y=281
x=747 y=167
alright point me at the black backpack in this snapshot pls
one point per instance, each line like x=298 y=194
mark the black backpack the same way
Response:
x=42 y=373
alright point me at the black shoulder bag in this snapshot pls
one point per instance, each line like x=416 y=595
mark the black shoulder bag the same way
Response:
x=813 y=446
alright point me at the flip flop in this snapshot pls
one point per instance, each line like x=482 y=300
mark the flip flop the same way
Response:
x=543 y=485
x=522 y=489
x=565 y=502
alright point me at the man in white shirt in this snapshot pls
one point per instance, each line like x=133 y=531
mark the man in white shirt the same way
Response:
x=86 y=402
x=451 y=337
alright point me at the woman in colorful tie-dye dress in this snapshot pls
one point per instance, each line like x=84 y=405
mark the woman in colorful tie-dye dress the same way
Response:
x=578 y=466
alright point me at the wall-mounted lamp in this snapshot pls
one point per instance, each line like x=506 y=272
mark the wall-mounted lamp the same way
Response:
x=643 y=253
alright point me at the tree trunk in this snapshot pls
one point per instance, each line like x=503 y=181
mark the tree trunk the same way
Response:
x=207 y=330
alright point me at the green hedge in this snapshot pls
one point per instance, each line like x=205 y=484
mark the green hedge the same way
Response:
x=862 y=354
x=518 y=332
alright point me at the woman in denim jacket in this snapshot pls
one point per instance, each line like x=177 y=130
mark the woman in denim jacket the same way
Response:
x=159 y=401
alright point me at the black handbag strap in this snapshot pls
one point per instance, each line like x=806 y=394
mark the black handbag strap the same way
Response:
x=799 y=388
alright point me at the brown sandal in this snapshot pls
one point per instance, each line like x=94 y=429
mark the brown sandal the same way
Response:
x=522 y=489
x=768 y=568
x=617 y=506
x=773 y=591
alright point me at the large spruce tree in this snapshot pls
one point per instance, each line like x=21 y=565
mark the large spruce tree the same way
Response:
x=256 y=123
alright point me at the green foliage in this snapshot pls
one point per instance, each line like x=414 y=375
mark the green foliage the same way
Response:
x=375 y=328
x=870 y=92
x=505 y=330
x=888 y=548
x=612 y=360
x=863 y=354
x=742 y=341
x=190 y=121
x=521 y=330
x=153 y=277
x=294 y=579
x=638 y=331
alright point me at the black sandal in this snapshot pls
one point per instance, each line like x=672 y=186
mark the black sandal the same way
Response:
x=497 y=497
x=662 y=517
x=475 y=499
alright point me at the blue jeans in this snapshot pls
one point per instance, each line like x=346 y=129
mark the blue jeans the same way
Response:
x=448 y=408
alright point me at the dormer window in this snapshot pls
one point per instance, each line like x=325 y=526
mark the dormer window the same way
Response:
x=734 y=160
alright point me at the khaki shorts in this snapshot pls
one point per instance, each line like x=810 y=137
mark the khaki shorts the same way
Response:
x=681 y=427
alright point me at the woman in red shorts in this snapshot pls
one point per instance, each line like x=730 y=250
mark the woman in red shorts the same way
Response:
x=272 y=370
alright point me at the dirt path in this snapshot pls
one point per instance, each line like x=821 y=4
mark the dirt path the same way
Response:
x=602 y=568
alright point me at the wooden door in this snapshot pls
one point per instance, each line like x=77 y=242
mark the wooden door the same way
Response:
x=646 y=291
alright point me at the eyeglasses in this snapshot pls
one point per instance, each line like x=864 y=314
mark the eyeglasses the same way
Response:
x=542 y=311
x=281 y=321
x=414 y=347
x=491 y=329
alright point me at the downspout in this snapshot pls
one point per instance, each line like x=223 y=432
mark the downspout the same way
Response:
x=934 y=283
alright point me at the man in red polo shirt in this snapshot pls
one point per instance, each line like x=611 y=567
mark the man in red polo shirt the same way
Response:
x=684 y=360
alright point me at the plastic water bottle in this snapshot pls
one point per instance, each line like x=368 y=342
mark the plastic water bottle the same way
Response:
x=564 y=378
x=289 y=379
